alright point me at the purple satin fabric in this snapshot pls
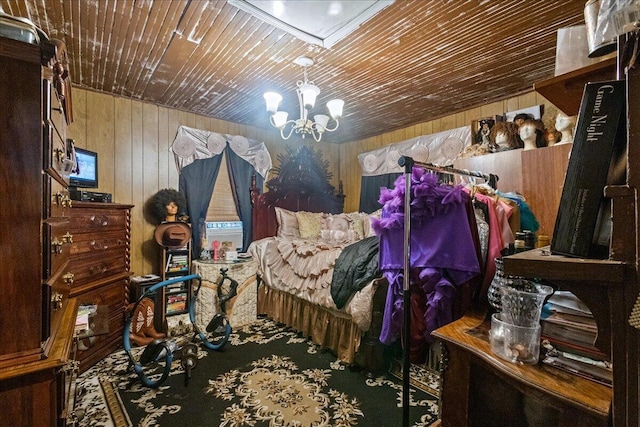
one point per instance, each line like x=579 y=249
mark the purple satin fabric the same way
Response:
x=441 y=241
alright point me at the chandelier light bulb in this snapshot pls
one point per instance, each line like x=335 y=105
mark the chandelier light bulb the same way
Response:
x=273 y=100
x=309 y=94
x=280 y=119
x=335 y=107
x=322 y=121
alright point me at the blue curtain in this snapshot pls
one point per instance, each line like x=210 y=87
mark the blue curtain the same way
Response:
x=196 y=183
x=241 y=172
x=370 y=190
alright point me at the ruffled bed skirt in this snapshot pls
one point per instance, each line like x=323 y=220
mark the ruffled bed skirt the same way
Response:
x=325 y=327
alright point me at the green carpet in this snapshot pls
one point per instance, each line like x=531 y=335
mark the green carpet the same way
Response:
x=265 y=376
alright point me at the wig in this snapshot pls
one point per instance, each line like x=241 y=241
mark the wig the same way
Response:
x=539 y=128
x=510 y=129
x=162 y=198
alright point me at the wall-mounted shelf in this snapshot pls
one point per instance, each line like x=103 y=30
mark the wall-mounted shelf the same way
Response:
x=565 y=91
x=540 y=263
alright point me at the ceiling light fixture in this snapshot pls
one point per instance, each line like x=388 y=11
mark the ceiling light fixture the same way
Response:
x=307 y=94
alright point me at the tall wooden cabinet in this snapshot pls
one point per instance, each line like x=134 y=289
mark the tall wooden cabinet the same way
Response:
x=37 y=316
x=99 y=269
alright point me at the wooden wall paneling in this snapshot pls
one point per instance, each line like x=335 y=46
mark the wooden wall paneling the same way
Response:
x=78 y=129
x=100 y=136
x=461 y=120
x=511 y=104
x=547 y=178
x=506 y=165
x=173 y=123
x=138 y=263
x=426 y=128
x=448 y=122
x=203 y=122
x=123 y=169
x=150 y=182
x=164 y=141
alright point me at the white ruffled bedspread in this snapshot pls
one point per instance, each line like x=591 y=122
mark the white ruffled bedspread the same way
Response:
x=304 y=268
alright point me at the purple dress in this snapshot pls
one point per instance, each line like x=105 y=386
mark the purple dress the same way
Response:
x=443 y=252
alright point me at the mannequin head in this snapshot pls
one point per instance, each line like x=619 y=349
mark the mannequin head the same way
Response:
x=565 y=125
x=168 y=205
x=531 y=134
x=504 y=136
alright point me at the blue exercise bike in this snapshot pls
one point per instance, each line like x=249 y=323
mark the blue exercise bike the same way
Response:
x=161 y=352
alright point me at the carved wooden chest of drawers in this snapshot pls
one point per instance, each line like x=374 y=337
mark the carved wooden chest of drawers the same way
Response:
x=99 y=259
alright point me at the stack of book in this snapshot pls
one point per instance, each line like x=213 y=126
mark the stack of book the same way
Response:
x=569 y=332
x=177 y=263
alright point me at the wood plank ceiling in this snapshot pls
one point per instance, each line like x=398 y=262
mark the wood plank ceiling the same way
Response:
x=415 y=61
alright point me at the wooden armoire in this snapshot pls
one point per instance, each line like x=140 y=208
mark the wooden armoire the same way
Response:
x=37 y=318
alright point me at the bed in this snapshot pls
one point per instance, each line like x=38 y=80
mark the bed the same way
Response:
x=299 y=239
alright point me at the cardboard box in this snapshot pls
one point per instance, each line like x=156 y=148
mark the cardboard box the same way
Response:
x=600 y=132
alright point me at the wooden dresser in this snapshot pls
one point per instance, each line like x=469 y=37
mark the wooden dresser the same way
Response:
x=37 y=317
x=99 y=266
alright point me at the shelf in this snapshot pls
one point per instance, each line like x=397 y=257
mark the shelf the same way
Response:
x=470 y=334
x=565 y=91
x=541 y=264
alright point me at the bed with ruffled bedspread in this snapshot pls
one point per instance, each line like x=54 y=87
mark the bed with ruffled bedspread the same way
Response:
x=296 y=263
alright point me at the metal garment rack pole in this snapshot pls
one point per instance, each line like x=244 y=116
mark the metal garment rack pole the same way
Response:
x=408 y=163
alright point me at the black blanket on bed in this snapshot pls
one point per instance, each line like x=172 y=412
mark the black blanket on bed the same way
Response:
x=356 y=266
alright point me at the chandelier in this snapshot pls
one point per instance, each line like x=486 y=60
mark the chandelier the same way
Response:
x=307 y=93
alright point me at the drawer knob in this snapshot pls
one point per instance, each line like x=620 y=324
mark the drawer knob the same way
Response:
x=59 y=154
x=56 y=300
x=56 y=246
x=67 y=238
x=68 y=278
x=102 y=221
x=66 y=201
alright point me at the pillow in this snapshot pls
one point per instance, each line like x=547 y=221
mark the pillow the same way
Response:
x=309 y=224
x=368 y=231
x=339 y=222
x=338 y=236
x=357 y=223
x=349 y=224
x=287 y=223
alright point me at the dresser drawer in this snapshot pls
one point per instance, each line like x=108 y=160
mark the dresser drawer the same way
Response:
x=99 y=244
x=57 y=244
x=97 y=221
x=57 y=155
x=57 y=202
x=105 y=333
x=92 y=267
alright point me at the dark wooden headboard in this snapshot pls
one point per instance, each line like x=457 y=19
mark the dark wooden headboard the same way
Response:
x=264 y=213
x=301 y=184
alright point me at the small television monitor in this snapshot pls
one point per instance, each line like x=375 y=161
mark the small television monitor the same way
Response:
x=85 y=174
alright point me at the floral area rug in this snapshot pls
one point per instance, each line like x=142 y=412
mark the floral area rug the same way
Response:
x=265 y=376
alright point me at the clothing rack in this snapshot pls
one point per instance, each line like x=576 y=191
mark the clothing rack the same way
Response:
x=408 y=163
x=490 y=179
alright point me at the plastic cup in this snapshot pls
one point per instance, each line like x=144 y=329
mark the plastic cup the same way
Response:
x=517 y=344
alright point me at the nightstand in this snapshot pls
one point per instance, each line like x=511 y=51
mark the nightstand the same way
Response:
x=241 y=309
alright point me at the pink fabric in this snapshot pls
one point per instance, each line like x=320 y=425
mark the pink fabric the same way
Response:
x=496 y=242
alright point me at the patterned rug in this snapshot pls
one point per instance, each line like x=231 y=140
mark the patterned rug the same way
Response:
x=265 y=376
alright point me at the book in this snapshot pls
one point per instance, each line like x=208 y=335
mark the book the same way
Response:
x=568 y=325
x=600 y=132
x=82 y=322
x=598 y=371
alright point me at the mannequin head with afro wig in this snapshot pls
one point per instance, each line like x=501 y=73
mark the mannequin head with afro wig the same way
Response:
x=168 y=205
